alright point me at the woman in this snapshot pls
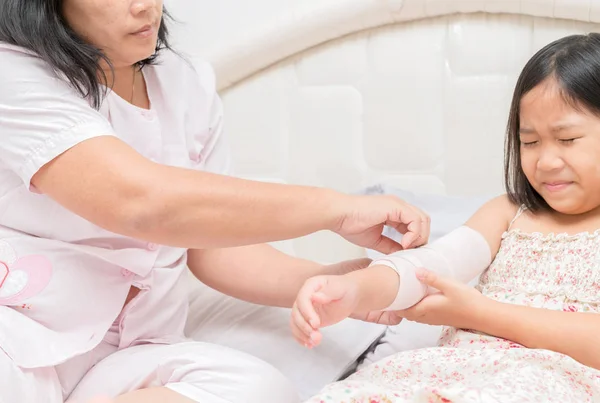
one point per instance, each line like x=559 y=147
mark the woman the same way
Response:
x=113 y=179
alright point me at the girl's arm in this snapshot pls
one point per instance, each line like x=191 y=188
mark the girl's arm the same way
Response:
x=392 y=283
x=570 y=333
x=379 y=284
x=457 y=305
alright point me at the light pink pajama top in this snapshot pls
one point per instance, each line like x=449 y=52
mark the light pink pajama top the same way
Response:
x=64 y=280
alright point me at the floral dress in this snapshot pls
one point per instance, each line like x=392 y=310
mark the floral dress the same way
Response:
x=556 y=271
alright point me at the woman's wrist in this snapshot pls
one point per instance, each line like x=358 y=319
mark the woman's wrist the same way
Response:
x=336 y=207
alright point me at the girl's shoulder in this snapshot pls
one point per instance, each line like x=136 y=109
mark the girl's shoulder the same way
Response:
x=502 y=208
x=493 y=219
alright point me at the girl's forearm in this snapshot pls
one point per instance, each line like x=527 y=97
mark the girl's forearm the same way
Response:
x=570 y=333
x=378 y=287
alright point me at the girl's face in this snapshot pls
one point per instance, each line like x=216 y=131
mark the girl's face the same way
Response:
x=560 y=150
x=125 y=30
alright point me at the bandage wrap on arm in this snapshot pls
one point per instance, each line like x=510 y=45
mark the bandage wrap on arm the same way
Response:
x=462 y=255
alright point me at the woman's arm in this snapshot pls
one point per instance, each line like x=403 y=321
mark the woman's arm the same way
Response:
x=69 y=152
x=108 y=183
x=263 y=275
x=572 y=333
x=111 y=185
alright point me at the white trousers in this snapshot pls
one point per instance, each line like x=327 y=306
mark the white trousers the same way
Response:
x=203 y=372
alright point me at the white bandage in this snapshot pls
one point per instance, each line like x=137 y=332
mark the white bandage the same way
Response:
x=463 y=254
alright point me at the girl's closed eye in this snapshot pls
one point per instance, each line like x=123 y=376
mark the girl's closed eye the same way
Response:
x=568 y=141
x=528 y=143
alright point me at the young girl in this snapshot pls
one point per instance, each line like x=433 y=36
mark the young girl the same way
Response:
x=528 y=333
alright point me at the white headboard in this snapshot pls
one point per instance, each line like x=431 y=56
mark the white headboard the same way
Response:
x=413 y=93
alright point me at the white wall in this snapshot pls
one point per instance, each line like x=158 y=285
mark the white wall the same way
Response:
x=418 y=100
x=206 y=25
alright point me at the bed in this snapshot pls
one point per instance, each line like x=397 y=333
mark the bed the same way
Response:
x=409 y=97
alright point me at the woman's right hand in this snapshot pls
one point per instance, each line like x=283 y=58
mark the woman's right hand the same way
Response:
x=366 y=217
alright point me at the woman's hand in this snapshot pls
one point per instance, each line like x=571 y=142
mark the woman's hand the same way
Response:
x=367 y=215
x=454 y=304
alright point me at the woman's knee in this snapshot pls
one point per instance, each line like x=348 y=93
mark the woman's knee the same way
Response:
x=235 y=377
x=201 y=372
x=27 y=385
x=268 y=385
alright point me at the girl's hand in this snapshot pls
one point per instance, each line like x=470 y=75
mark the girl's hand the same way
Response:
x=322 y=301
x=455 y=304
x=389 y=318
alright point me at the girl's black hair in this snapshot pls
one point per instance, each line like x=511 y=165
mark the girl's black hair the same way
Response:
x=574 y=63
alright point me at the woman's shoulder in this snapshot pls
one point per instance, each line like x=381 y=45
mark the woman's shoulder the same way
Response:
x=23 y=72
x=22 y=69
x=18 y=60
x=14 y=51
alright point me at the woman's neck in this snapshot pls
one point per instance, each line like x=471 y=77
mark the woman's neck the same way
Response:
x=129 y=84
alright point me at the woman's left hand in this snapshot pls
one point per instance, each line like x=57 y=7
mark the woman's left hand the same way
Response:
x=455 y=304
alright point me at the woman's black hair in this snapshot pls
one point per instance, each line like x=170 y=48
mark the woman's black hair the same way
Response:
x=39 y=26
x=574 y=63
